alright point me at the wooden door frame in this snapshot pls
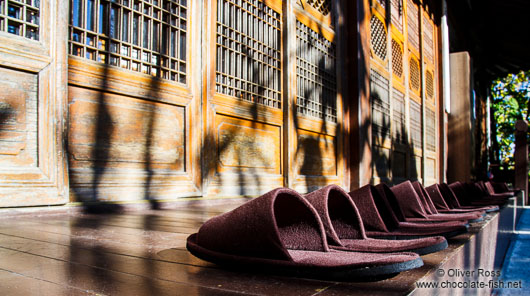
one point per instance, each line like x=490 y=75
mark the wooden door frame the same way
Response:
x=45 y=184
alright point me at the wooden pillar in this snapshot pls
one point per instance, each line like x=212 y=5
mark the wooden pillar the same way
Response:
x=459 y=133
x=521 y=157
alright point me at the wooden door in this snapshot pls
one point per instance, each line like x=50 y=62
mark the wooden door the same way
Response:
x=315 y=124
x=134 y=100
x=271 y=113
x=243 y=108
x=431 y=97
x=32 y=97
x=415 y=90
x=400 y=133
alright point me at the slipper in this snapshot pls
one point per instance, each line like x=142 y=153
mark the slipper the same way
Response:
x=470 y=195
x=413 y=209
x=281 y=232
x=491 y=192
x=501 y=187
x=386 y=225
x=453 y=203
x=430 y=209
x=391 y=202
x=435 y=192
x=479 y=191
x=345 y=230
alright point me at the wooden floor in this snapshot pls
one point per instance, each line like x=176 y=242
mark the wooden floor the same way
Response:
x=142 y=252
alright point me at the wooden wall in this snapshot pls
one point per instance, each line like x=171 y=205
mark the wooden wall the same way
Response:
x=404 y=78
x=164 y=100
x=32 y=103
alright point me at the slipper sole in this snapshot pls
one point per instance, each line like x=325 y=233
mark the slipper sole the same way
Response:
x=340 y=273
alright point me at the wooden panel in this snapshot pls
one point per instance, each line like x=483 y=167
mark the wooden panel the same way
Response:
x=381 y=160
x=428 y=39
x=430 y=130
x=378 y=39
x=32 y=100
x=430 y=171
x=316 y=154
x=460 y=149
x=118 y=129
x=248 y=45
x=380 y=101
x=396 y=11
x=415 y=167
x=399 y=122
x=316 y=79
x=413 y=27
x=18 y=118
x=415 y=125
x=246 y=145
x=399 y=166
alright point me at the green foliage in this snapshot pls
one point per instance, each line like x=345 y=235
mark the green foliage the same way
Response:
x=511 y=97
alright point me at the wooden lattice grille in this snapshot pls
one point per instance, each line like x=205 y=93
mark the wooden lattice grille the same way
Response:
x=397 y=58
x=20 y=18
x=414 y=74
x=142 y=36
x=396 y=11
x=399 y=132
x=378 y=37
x=380 y=102
x=429 y=84
x=415 y=124
x=323 y=6
x=430 y=130
x=428 y=39
x=413 y=27
x=315 y=74
x=382 y=3
x=248 y=52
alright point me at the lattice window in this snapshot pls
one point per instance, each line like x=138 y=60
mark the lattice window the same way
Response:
x=399 y=132
x=397 y=58
x=396 y=11
x=315 y=74
x=428 y=39
x=429 y=84
x=143 y=36
x=380 y=102
x=430 y=130
x=323 y=6
x=378 y=37
x=413 y=25
x=248 y=52
x=415 y=124
x=20 y=18
x=415 y=75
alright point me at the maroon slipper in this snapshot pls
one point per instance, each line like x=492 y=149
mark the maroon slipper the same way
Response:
x=380 y=220
x=481 y=193
x=345 y=230
x=471 y=216
x=392 y=204
x=436 y=192
x=281 y=232
x=491 y=191
x=411 y=204
x=501 y=187
x=470 y=195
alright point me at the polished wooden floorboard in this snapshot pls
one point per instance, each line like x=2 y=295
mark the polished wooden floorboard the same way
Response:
x=141 y=252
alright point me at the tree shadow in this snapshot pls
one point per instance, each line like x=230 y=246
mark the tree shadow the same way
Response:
x=317 y=100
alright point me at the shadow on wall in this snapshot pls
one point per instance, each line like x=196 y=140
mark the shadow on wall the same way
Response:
x=392 y=149
x=392 y=146
x=102 y=172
